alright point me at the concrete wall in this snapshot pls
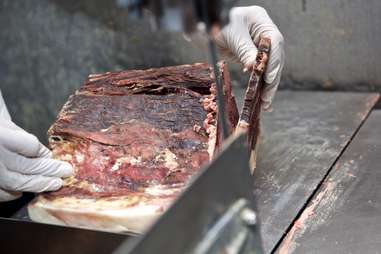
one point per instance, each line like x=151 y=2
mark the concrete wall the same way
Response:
x=330 y=44
x=48 y=47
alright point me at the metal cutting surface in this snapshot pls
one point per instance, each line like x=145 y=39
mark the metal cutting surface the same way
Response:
x=344 y=215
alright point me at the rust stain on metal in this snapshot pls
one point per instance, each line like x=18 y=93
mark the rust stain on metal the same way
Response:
x=369 y=104
x=373 y=100
x=300 y=224
x=328 y=200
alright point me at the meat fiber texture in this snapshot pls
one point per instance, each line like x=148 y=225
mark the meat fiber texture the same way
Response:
x=134 y=138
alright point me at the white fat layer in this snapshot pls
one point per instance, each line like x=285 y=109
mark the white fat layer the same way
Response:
x=105 y=130
x=117 y=165
x=212 y=141
x=135 y=161
x=79 y=157
x=127 y=159
x=170 y=160
x=210 y=128
x=158 y=190
x=66 y=157
x=99 y=205
x=96 y=187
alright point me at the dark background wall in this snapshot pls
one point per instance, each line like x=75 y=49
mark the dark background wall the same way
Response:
x=48 y=47
x=330 y=44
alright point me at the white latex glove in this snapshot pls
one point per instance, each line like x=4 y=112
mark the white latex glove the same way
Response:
x=235 y=43
x=25 y=163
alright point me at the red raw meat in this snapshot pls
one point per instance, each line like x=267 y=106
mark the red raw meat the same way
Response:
x=135 y=138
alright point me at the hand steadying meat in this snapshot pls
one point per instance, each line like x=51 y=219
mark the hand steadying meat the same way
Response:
x=238 y=42
x=25 y=163
x=235 y=41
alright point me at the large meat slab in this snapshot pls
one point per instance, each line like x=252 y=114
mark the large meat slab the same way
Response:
x=134 y=138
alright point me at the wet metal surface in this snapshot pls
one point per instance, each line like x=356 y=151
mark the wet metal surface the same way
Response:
x=301 y=139
x=345 y=214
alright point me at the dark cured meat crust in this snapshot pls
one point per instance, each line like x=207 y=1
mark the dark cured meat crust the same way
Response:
x=194 y=78
x=109 y=119
x=129 y=130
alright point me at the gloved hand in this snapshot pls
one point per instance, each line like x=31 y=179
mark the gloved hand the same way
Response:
x=25 y=163
x=237 y=42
